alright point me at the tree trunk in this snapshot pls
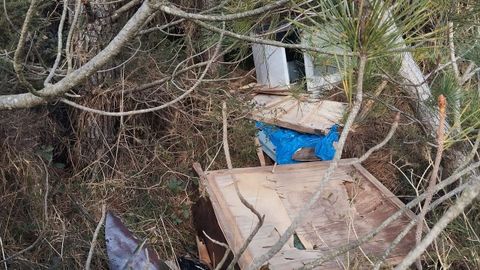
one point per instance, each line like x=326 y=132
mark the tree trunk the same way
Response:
x=417 y=86
x=94 y=133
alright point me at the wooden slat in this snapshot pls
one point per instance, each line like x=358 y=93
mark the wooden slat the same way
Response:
x=352 y=203
x=299 y=114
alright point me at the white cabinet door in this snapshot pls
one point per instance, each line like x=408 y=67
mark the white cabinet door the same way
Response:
x=270 y=65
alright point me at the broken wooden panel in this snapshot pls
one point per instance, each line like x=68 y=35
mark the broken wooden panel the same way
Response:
x=352 y=204
x=298 y=113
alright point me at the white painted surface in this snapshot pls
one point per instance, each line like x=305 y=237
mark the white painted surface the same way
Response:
x=316 y=81
x=270 y=65
x=319 y=78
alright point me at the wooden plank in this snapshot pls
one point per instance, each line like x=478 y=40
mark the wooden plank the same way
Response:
x=261 y=156
x=385 y=191
x=351 y=204
x=300 y=114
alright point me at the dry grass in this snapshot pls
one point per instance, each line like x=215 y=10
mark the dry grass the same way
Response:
x=143 y=173
x=141 y=168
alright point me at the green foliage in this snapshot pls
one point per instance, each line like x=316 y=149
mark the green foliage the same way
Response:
x=372 y=28
x=175 y=185
x=46 y=152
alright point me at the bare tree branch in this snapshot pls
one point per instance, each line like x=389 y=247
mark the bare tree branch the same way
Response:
x=163 y=106
x=7 y=17
x=59 y=45
x=17 y=65
x=269 y=42
x=442 y=104
x=451 y=46
x=171 y=9
x=28 y=100
x=73 y=26
x=465 y=199
x=95 y=236
x=125 y=8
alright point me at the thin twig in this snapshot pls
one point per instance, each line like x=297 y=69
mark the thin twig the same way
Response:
x=3 y=254
x=8 y=18
x=472 y=153
x=17 y=65
x=414 y=221
x=369 y=104
x=124 y=8
x=225 y=255
x=451 y=46
x=95 y=236
x=442 y=103
x=387 y=138
x=45 y=196
x=226 y=147
x=170 y=77
x=163 y=106
x=59 y=45
x=261 y=218
x=170 y=9
x=38 y=240
x=269 y=42
x=70 y=35
x=465 y=199
x=175 y=22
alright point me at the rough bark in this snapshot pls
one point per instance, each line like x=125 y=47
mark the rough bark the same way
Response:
x=417 y=86
x=94 y=133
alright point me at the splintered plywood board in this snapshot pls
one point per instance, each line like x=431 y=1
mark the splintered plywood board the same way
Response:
x=300 y=114
x=352 y=204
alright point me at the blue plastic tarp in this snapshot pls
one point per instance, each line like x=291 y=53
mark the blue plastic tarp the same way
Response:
x=287 y=142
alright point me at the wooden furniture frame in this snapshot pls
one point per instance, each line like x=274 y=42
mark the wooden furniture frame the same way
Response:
x=352 y=204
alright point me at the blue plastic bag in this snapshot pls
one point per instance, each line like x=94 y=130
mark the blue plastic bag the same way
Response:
x=287 y=142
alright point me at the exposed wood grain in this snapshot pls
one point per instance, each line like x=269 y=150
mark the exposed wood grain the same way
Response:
x=352 y=204
x=261 y=156
x=300 y=114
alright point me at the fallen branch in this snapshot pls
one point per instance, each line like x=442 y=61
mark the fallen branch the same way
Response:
x=465 y=199
x=163 y=106
x=95 y=236
x=414 y=221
